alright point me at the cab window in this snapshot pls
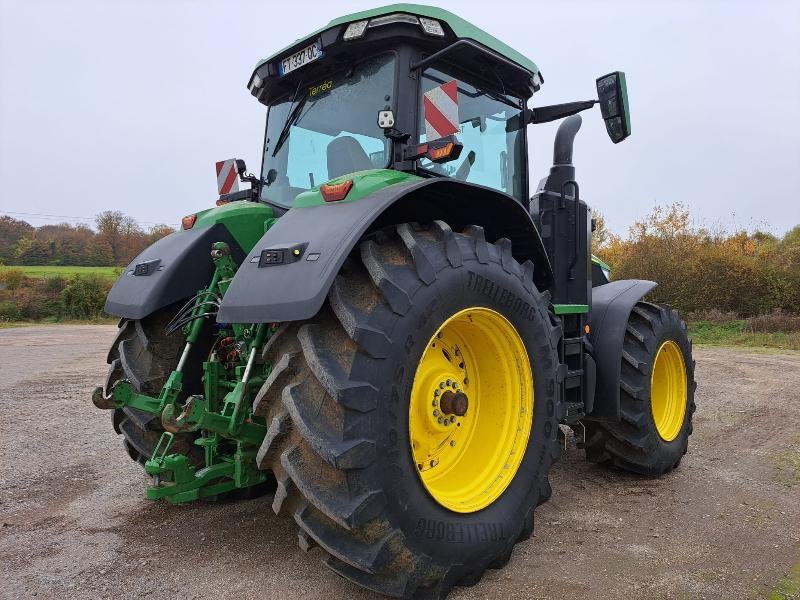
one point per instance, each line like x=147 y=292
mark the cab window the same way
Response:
x=488 y=124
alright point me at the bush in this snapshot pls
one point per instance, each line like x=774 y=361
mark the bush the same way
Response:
x=9 y=311
x=774 y=322
x=31 y=303
x=55 y=284
x=12 y=278
x=713 y=315
x=740 y=274
x=84 y=297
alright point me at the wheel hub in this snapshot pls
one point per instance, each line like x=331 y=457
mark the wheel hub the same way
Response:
x=454 y=403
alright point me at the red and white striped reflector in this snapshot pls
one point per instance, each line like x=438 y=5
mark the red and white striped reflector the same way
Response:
x=227 y=178
x=441 y=111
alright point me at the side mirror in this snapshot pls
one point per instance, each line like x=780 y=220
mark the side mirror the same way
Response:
x=613 y=97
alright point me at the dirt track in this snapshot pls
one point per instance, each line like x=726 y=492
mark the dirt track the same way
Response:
x=73 y=521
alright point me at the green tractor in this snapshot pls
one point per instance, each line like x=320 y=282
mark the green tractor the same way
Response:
x=391 y=328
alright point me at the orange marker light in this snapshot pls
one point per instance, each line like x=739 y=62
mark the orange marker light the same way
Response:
x=335 y=191
x=187 y=222
x=445 y=151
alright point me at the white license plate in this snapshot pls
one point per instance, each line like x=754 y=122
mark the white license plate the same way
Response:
x=300 y=59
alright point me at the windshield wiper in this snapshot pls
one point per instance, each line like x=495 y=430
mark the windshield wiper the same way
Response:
x=288 y=124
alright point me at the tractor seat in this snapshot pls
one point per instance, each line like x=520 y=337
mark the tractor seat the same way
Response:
x=345 y=155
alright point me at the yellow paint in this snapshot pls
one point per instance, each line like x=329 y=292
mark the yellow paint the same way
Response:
x=668 y=390
x=466 y=462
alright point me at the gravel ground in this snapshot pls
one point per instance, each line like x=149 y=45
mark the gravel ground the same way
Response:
x=74 y=524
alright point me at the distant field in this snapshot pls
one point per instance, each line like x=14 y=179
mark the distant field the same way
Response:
x=40 y=271
x=736 y=333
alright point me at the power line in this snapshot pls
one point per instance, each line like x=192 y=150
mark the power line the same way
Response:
x=73 y=217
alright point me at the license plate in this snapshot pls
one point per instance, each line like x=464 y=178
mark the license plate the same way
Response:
x=300 y=59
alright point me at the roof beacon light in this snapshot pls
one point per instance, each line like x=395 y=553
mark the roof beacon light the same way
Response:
x=431 y=26
x=333 y=192
x=393 y=18
x=355 y=30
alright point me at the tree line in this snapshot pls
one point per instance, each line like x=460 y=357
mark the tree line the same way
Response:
x=115 y=241
x=699 y=269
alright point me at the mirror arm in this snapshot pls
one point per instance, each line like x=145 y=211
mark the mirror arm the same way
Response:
x=545 y=114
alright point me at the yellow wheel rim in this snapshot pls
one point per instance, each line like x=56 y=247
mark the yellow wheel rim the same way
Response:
x=668 y=391
x=471 y=409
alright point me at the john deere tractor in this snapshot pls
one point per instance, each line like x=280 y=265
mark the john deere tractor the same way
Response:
x=391 y=327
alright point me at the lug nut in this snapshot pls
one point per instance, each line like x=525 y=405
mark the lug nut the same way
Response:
x=455 y=385
x=436 y=392
x=436 y=413
x=435 y=402
x=452 y=443
x=440 y=421
x=452 y=418
x=441 y=386
x=449 y=382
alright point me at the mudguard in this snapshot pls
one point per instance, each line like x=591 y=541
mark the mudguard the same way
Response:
x=608 y=318
x=174 y=268
x=290 y=270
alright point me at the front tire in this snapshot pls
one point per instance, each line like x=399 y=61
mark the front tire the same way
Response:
x=656 y=396
x=337 y=404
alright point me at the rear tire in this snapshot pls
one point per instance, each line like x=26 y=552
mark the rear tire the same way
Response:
x=145 y=355
x=643 y=441
x=337 y=408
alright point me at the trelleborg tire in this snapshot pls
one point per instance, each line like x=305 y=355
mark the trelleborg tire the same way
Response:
x=348 y=392
x=656 y=396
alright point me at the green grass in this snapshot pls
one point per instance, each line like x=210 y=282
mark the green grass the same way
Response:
x=54 y=321
x=55 y=271
x=788 y=588
x=735 y=333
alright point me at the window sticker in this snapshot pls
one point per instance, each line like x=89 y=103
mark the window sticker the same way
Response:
x=317 y=90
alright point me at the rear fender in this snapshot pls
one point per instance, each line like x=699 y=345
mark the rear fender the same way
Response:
x=174 y=268
x=313 y=242
x=608 y=319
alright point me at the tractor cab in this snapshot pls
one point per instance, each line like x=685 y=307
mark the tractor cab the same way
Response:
x=404 y=87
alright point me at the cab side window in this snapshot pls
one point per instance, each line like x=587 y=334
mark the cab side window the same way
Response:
x=488 y=124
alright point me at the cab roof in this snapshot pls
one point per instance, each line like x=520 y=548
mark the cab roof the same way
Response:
x=461 y=28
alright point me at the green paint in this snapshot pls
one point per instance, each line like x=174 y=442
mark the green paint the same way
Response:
x=364 y=184
x=244 y=220
x=224 y=412
x=461 y=28
x=179 y=482
x=600 y=263
x=570 y=309
x=626 y=111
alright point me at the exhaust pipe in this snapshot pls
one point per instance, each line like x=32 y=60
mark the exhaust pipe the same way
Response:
x=565 y=138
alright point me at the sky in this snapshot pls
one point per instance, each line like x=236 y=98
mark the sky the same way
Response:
x=127 y=105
